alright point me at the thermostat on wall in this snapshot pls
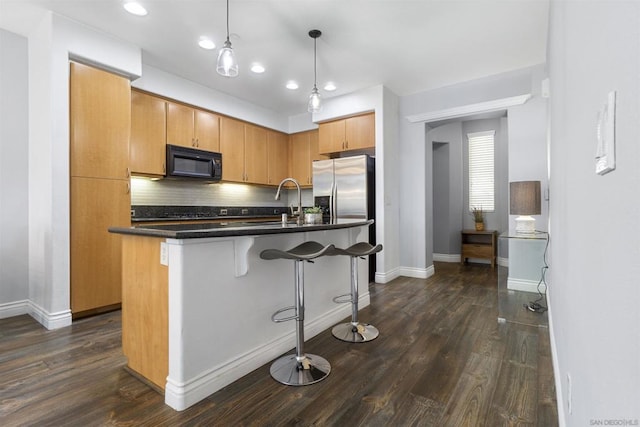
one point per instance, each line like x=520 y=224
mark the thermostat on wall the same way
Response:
x=606 y=136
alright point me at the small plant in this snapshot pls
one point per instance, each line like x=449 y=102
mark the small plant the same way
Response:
x=478 y=214
x=313 y=210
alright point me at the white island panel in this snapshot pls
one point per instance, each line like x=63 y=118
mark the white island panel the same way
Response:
x=220 y=324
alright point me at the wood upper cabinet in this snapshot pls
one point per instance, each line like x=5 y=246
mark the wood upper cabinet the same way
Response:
x=255 y=154
x=207 y=130
x=303 y=150
x=277 y=157
x=96 y=262
x=232 y=149
x=192 y=127
x=147 y=154
x=100 y=111
x=352 y=133
x=244 y=151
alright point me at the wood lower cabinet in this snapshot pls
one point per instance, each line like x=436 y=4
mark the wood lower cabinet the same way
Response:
x=145 y=308
x=96 y=205
x=100 y=111
x=147 y=152
x=352 y=133
x=303 y=150
x=192 y=127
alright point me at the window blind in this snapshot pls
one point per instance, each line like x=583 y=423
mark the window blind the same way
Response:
x=481 y=170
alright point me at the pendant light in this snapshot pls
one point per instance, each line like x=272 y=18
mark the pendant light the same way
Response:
x=227 y=65
x=315 y=101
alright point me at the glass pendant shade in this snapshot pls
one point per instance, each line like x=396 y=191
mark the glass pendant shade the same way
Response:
x=315 y=101
x=227 y=65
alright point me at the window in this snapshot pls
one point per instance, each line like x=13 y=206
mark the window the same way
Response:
x=481 y=171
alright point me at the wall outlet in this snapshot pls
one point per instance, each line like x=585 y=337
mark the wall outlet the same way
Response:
x=244 y=212
x=569 y=393
x=164 y=254
x=223 y=211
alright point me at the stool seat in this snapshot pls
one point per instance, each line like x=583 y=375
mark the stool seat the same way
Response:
x=299 y=368
x=305 y=252
x=355 y=331
x=359 y=249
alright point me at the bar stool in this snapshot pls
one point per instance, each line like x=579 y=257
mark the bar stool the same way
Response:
x=299 y=368
x=355 y=331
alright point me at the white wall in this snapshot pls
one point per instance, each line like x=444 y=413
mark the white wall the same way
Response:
x=496 y=220
x=415 y=192
x=14 y=198
x=528 y=156
x=450 y=226
x=594 y=285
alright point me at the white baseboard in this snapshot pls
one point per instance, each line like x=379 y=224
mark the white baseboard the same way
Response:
x=180 y=396
x=387 y=276
x=15 y=308
x=556 y=365
x=524 y=285
x=418 y=273
x=446 y=257
x=49 y=320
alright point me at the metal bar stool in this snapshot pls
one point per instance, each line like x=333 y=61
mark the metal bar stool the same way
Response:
x=299 y=368
x=355 y=331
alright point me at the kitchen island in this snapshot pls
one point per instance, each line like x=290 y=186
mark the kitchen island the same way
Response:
x=197 y=299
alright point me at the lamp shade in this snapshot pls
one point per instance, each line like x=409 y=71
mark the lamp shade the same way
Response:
x=525 y=198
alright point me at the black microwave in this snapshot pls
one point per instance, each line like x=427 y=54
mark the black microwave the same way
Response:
x=184 y=162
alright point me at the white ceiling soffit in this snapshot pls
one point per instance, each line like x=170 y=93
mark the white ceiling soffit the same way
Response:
x=468 y=110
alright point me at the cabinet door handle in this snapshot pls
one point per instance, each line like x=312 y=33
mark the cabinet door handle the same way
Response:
x=128 y=188
x=197 y=142
x=164 y=168
x=128 y=173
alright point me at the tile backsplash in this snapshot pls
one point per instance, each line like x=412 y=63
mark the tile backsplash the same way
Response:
x=147 y=192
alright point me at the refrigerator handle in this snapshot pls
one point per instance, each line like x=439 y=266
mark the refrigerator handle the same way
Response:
x=331 y=202
x=334 y=201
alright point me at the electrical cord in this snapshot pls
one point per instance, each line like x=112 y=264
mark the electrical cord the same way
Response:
x=537 y=306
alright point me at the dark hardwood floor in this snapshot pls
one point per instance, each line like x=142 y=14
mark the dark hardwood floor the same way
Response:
x=442 y=359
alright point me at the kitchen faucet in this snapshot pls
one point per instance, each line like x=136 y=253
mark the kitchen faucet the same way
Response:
x=299 y=213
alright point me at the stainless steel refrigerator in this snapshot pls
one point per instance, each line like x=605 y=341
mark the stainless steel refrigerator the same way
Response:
x=345 y=188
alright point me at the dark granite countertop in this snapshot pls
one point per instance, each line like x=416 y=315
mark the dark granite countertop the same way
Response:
x=226 y=229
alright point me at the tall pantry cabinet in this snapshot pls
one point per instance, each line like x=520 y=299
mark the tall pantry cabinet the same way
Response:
x=100 y=122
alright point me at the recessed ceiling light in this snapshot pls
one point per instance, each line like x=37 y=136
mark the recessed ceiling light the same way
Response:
x=135 y=8
x=330 y=87
x=292 y=85
x=206 y=43
x=257 y=68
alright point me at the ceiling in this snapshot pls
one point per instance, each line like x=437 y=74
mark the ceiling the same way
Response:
x=409 y=46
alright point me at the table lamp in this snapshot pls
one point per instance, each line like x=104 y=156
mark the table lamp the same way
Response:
x=525 y=201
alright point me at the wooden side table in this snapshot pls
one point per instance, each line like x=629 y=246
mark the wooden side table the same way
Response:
x=479 y=244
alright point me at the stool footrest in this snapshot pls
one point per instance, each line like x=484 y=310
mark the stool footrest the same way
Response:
x=342 y=299
x=284 y=319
